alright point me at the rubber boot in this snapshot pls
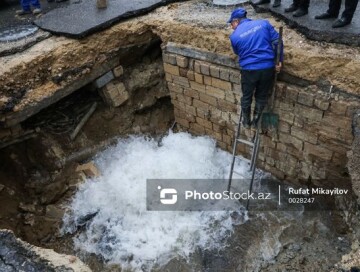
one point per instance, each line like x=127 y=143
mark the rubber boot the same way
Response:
x=256 y=117
x=246 y=117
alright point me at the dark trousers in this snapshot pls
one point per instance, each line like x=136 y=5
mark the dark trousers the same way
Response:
x=350 y=7
x=26 y=4
x=302 y=3
x=259 y=81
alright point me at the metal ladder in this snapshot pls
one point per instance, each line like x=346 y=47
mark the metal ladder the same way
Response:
x=255 y=150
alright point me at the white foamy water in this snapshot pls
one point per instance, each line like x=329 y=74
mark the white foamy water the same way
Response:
x=121 y=230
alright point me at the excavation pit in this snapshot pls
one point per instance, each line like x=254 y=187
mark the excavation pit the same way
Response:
x=143 y=76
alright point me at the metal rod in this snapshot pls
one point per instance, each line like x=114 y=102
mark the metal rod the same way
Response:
x=83 y=121
x=234 y=151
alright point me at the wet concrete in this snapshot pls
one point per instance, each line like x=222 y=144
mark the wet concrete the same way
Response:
x=83 y=18
x=319 y=30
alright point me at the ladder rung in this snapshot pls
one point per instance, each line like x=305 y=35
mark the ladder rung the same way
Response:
x=237 y=173
x=245 y=142
x=243 y=159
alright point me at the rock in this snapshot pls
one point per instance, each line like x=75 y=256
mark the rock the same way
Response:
x=54 y=212
x=89 y=169
x=118 y=71
x=29 y=219
x=2 y=187
x=101 y=4
x=27 y=207
x=17 y=255
x=77 y=180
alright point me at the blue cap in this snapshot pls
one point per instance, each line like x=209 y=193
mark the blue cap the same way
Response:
x=237 y=14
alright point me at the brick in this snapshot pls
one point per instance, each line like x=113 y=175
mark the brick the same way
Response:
x=168 y=77
x=318 y=151
x=310 y=113
x=169 y=58
x=337 y=121
x=284 y=127
x=268 y=142
x=321 y=104
x=281 y=147
x=298 y=121
x=185 y=115
x=274 y=171
x=221 y=84
x=235 y=76
x=338 y=107
x=201 y=105
x=118 y=71
x=114 y=94
x=197 y=129
x=305 y=99
x=339 y=159
x=175 y=88
x=222 y=145
x=227 y=139
x=236 y=88
x=190 y=109
x=183 y=72
x=182 y=61
x=171 y=69
x=199 y=78
x=288 y=139
x=208 y=99
x=183 y=122
x=197 y=86
x=215 y=92
x=215 y=113
x=204 y=123
x=204 y=114
x=352 y=108
x=205 y=68
x=184 y=99
x=89 y=169
x=183 y=81
x=197 y=67
x=304 y=135
x=216 y=135
x=230 y=97
x=191 y=93
x=190 y=75
x=207 y=80
x=291 y=93
x=227 y=106
x=224 y=74
x=286 y=117
x=284 y=106
x=214 y=71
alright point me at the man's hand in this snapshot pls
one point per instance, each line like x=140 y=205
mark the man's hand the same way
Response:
x=278 y=67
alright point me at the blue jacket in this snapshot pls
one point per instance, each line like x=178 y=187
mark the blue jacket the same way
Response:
x=255 y=42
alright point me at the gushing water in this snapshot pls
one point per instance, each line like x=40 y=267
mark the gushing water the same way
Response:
x=113 y=207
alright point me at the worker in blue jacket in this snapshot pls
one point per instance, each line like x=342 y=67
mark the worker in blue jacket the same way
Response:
x=255 y=42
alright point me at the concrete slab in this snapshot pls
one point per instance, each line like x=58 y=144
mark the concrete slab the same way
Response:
x=84 y=18
x=319 y=30
x=226 y=3
x=19 y=38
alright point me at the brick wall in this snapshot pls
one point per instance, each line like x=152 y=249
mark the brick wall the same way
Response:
x=315 y=126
